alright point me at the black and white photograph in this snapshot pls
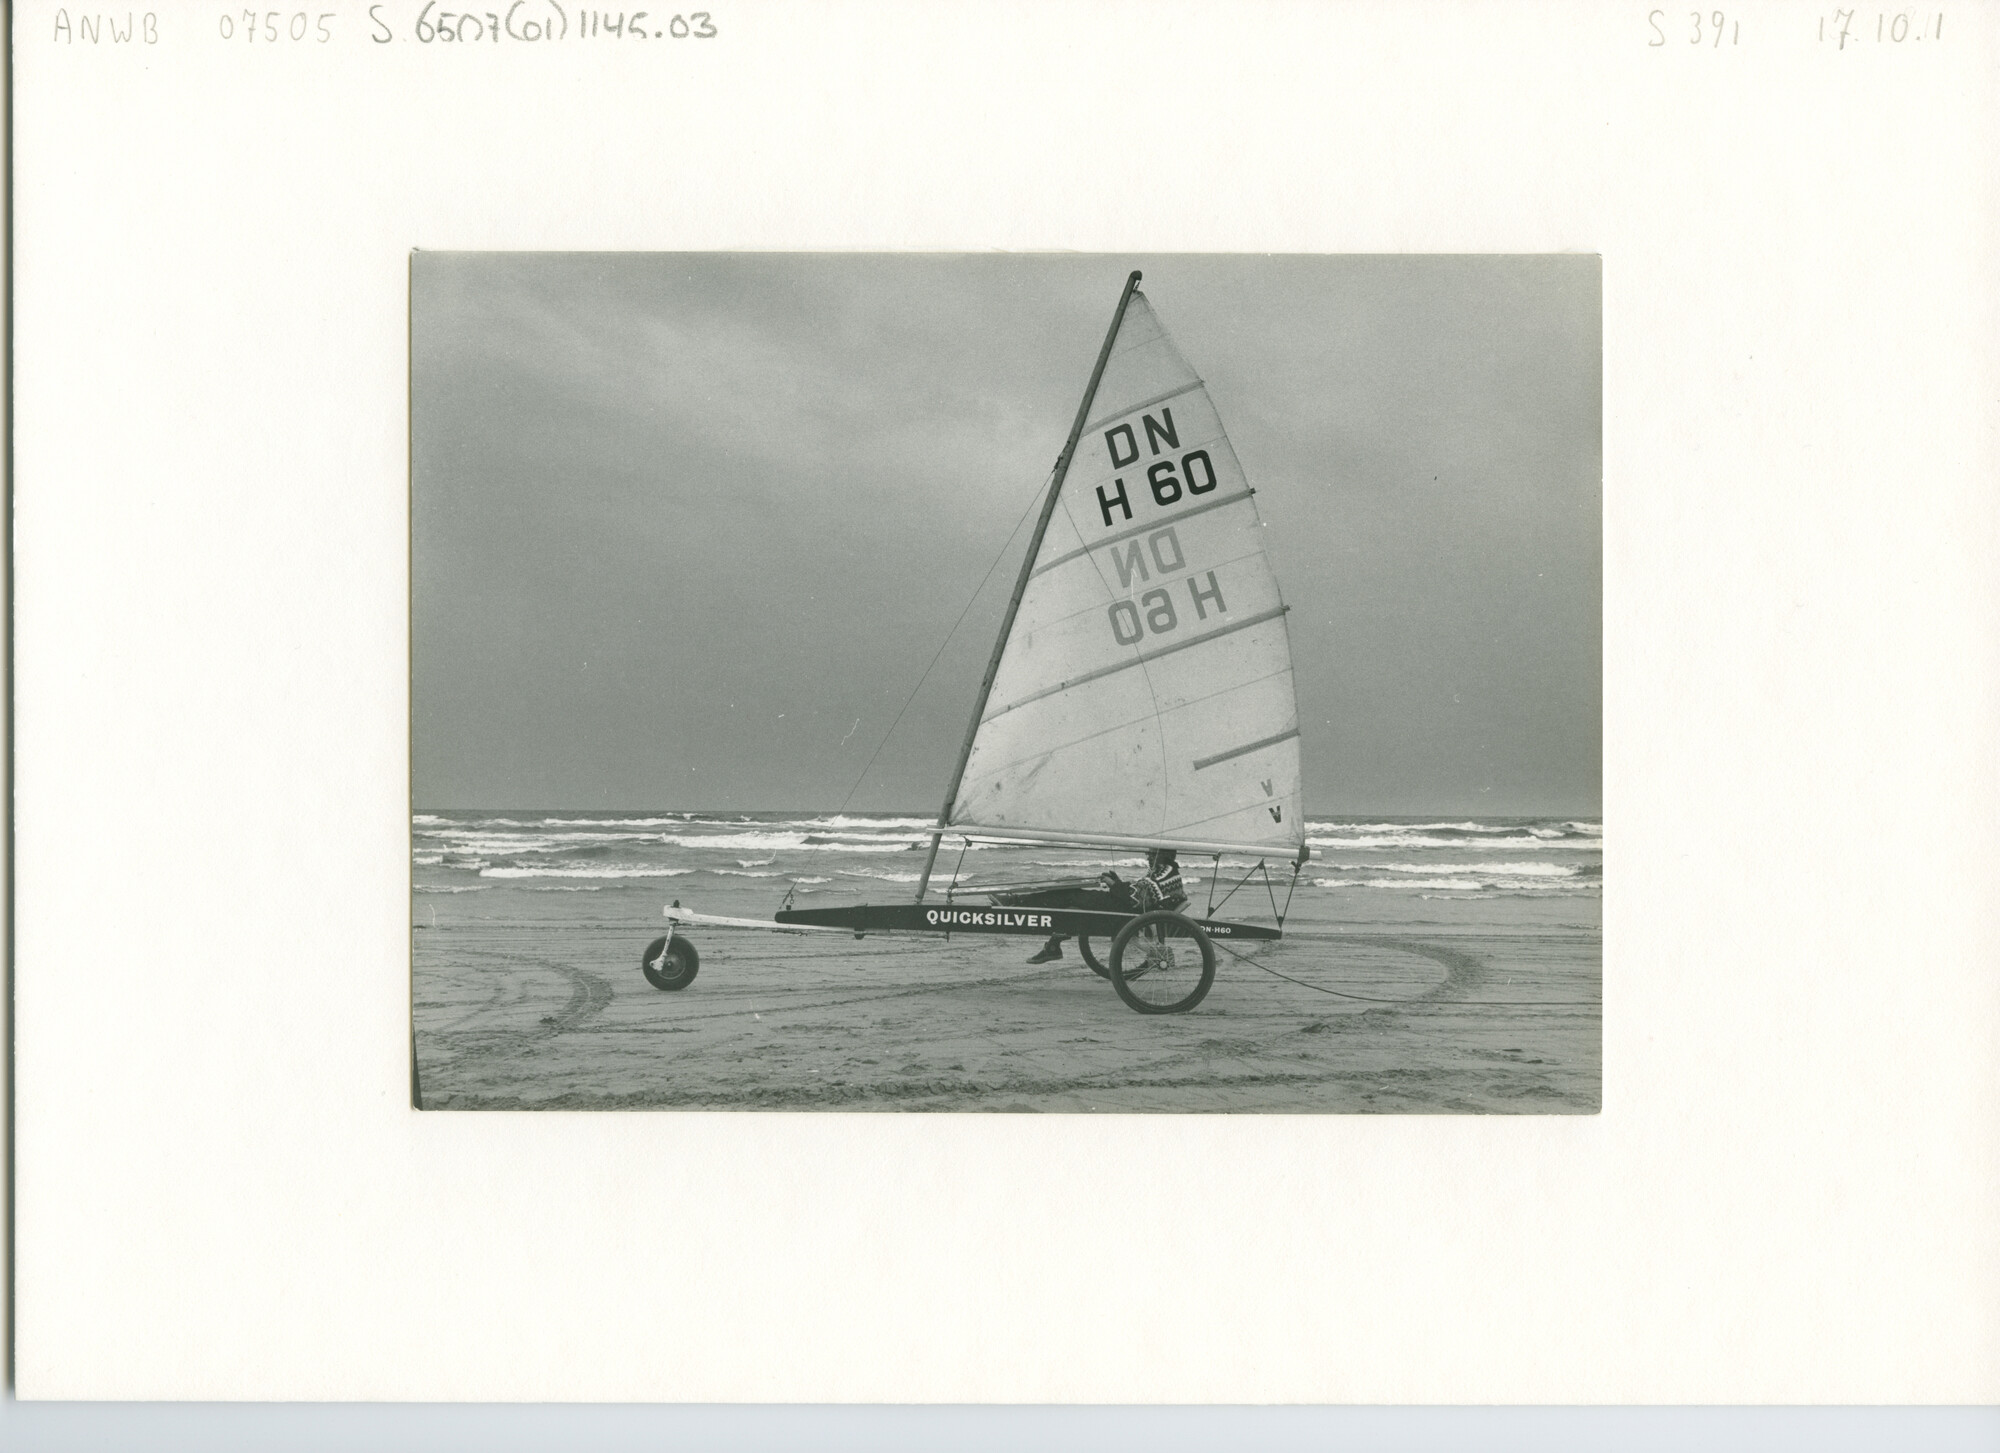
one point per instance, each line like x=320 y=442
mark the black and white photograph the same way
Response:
x=1006 y=682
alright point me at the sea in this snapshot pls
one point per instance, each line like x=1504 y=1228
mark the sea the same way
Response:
x=1403 y=870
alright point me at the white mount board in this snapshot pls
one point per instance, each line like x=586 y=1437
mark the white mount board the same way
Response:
x=220 y=1191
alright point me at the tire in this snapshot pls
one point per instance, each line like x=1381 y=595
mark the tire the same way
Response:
x=1162 y=963
x=670 y=967
x=1097 y=968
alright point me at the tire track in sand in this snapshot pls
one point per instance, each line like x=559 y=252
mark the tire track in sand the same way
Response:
x=589 y=996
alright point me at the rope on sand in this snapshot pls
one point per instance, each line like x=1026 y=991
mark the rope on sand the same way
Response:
x=1418 y=1002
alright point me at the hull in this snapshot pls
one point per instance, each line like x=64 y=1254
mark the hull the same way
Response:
x=681 y=917
x=957 y=918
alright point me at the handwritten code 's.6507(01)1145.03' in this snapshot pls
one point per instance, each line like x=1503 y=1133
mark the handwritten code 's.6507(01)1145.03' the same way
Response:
x=548 y=20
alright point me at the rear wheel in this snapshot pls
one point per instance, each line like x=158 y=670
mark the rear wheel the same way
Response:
x=1162 y=963
x=1083 y=947
x=670 y=965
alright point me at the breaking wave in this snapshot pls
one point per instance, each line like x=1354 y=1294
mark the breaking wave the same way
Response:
x=1433 y=840
x=786 y=841
x=887 y=877
x=1525 y=870
x=747 y=860
x=587 y=871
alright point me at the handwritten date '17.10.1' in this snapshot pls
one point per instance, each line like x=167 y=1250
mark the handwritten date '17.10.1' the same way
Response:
x=1843 y=27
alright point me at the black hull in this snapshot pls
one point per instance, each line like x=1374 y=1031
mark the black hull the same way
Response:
x=969 y=918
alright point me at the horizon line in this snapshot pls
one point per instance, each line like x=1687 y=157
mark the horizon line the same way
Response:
x=927 y=815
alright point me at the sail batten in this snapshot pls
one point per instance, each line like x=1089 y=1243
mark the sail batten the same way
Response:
x=1201 y=763
x=1118 y=726
x=1082 y=550
x=1129 y=409
x=1139 y=660
x=1148 y=697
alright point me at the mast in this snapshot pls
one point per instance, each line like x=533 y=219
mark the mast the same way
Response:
x=1021 y=584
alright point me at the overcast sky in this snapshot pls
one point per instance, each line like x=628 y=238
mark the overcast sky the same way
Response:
x=688 y=528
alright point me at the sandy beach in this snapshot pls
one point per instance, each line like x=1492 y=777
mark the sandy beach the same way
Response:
x=1470 y=1007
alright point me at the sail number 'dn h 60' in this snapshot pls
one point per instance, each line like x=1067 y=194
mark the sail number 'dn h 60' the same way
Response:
x=1154 y=610
x=1160 y=476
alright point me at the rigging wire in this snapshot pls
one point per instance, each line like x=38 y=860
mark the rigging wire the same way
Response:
x=957 y=871
x=947 y=640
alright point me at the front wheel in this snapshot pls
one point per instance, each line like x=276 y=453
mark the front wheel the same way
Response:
x=669 y=965
x=1162 y=963
x=1097 y=968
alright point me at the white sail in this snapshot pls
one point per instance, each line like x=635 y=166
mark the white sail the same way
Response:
x=1145 y=691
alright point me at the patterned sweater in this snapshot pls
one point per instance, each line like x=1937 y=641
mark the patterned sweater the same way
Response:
x=1161 y=888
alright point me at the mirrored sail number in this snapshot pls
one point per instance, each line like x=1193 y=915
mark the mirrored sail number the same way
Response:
x=1153 y=611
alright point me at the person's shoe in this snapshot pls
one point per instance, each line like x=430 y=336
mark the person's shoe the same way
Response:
x=1051 y=951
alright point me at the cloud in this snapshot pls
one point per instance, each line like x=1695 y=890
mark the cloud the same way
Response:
x=650 y=485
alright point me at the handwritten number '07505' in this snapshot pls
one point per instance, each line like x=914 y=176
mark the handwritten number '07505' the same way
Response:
x=548 y=20
x=276 y=26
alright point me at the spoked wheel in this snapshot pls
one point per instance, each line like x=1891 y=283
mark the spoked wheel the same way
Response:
x=670 y=965
x=1162 y=963
x=1097 y=968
